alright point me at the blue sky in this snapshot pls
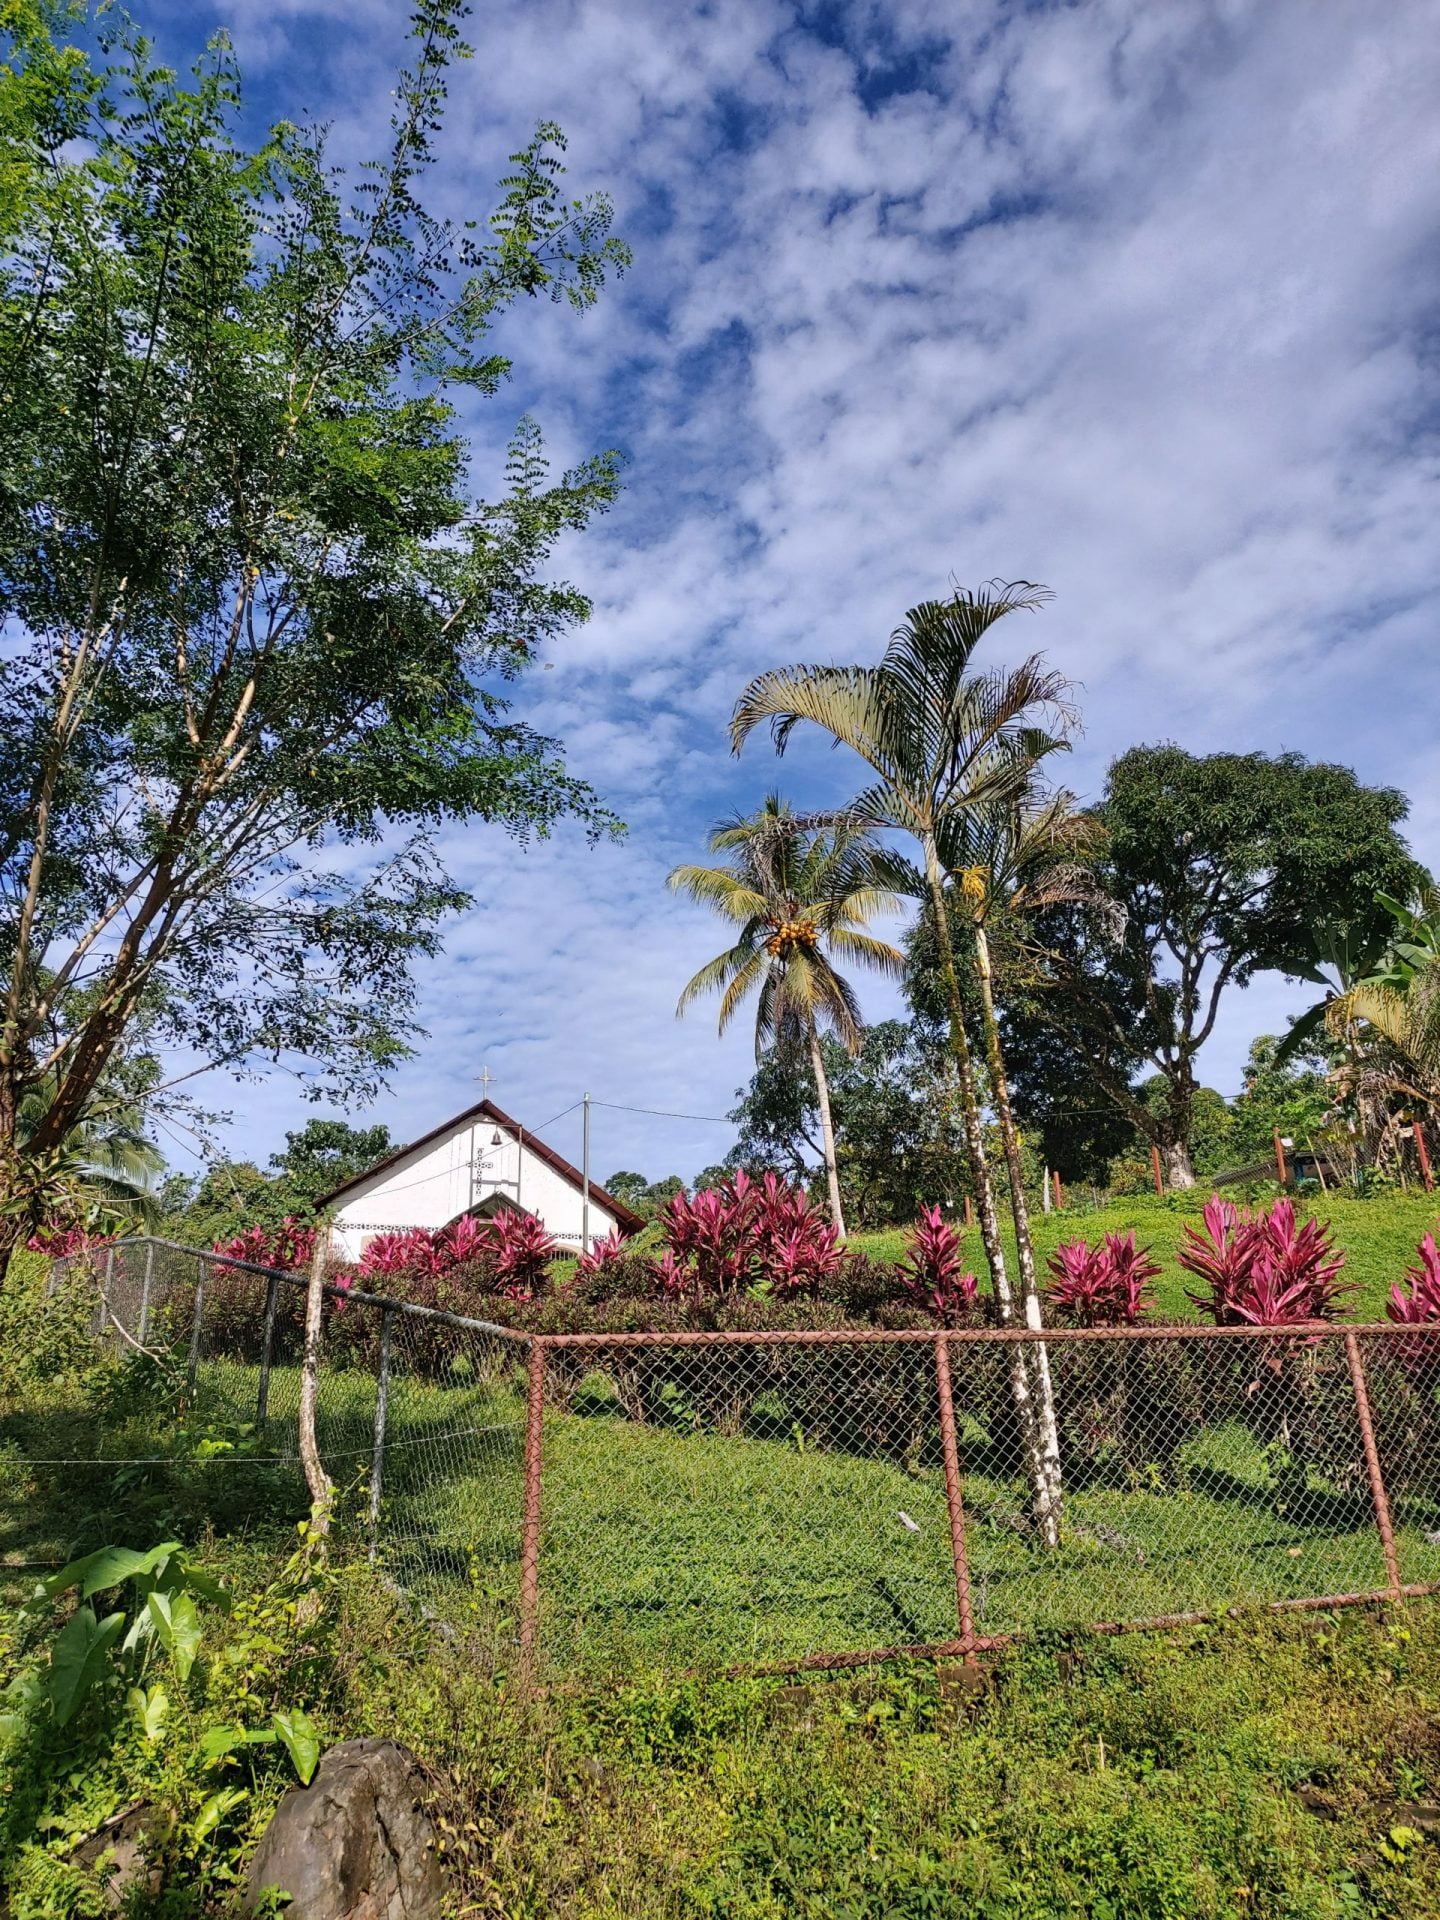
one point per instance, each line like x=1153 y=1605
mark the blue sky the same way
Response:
x=1138 y=300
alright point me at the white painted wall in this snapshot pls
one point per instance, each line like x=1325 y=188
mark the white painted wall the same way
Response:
x=433 y=1184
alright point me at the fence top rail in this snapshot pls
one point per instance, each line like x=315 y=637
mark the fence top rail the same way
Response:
x=1304 y=1330
x=410 y=1308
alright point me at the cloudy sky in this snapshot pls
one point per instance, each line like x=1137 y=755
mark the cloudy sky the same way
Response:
x=1135 y=299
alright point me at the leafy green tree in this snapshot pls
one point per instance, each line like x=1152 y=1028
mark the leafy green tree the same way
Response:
x=947 y=746
x=642 y=1196
x=1223 y=866
x=255 y=607
x=1294 y=1096
x=899 y=1141
x=800 y=899
x=326 y=1153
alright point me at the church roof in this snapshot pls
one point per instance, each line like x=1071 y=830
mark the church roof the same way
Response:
x=629 y=1221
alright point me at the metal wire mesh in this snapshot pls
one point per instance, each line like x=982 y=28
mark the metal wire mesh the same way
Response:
x=773 y=1498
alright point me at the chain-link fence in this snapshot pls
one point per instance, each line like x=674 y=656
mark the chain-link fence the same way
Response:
x=790 y=1498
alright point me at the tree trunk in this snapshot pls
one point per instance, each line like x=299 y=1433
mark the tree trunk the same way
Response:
x=827 y=1131
x=322 y=1488
x=1048 y=1431
x=1020 y=1370
x=1178 y=1170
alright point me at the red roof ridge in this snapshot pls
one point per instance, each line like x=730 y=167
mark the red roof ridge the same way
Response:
x=628 y=1220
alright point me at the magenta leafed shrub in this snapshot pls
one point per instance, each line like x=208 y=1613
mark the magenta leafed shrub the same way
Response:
x=507 y=1255
x=411 y=1250
x=519 y=1250
x=1264 y=1270
x=1104 y=1286
x=1415 y=1300
x=290 y=1246
x=743 y=1235
x=58 y=1242
x=593 y=1262
x=931 y=1272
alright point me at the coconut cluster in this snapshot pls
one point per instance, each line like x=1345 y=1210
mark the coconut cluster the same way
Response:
x=791 y=933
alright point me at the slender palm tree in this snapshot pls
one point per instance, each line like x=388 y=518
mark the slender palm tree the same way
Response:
x=945 y=743
x=801 y=896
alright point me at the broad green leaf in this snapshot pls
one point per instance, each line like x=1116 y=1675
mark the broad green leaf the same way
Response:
x=149 y=1710
x=77 y=1658
x=217 y=1743
x=215 y=1810
x=107 y=1567
x=205 y=1585
x=297 y=1732
x=178 y=1625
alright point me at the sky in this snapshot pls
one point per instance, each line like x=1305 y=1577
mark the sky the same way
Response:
x=1136 y=300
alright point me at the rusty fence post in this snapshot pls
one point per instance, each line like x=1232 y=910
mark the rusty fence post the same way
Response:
x=1424 y=1157
x=954 y=1499
x=530 y=1524
x=1372 y=1465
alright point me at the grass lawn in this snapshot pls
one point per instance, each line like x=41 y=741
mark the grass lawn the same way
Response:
x=1379 y=1237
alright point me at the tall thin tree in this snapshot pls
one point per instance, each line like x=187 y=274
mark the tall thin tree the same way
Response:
x=946 y=742
x=802 y=897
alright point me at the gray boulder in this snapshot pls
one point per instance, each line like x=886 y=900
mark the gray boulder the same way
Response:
x=355 y=1844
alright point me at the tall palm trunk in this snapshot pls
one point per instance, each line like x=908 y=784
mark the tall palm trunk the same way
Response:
x=827 y=1130
x=1044 y=1493
x=1048 y=1435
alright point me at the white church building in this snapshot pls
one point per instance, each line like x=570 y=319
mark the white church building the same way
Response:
x=477 y=1163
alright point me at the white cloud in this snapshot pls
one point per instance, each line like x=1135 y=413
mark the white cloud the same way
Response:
x=1138 y=300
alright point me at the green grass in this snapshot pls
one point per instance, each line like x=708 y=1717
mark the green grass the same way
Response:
x=1379 y=1237
x=1261 y=1770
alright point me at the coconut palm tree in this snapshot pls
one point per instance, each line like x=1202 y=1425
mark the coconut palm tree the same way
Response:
x=801 y=895
x=947 y=743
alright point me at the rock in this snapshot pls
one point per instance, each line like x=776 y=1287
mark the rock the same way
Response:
x=117 y=1852
x=355 y=1844
x=963 y=1682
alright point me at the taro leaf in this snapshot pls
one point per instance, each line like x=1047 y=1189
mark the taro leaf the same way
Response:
x=205 y=1585
x=215 y=1810
x=297 y=1732
x=218 y=1743
x=107 y=1567
x=149 y=1710
x=77 y=1658
x=178 y=1625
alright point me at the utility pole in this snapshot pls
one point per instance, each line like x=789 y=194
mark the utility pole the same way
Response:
x=585 y=1181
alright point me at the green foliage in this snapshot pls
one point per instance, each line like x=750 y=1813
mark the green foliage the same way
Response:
x=326 y=1153
x=193 y=1751
x=1225 y=866
x=898 y=1135
x=245 y=568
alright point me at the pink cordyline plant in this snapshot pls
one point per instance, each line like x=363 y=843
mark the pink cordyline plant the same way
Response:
x=408 y=1250
x=1104 y=1286
x=745 y=1234
x=1415 y=1302
x=593 y=1262
x=521 y=1250
x=1418 y=1303
x=931 y=1272
x=59 y=1242
x=1264 y=1270
x=290 y=1246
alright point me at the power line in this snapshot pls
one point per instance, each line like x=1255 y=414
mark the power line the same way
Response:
x=664 y=1113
